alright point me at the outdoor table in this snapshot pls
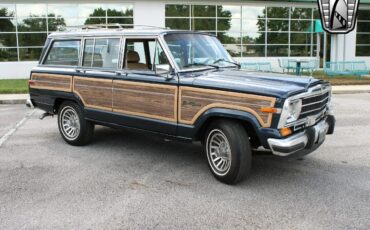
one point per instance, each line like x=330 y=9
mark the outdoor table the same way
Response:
x=298 y=65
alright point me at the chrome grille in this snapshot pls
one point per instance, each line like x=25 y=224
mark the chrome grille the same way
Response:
x=314 y=105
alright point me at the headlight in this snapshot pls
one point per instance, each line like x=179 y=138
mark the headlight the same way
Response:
x=290 y=112
x=294 y=110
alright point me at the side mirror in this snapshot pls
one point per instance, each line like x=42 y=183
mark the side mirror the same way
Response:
x=162 y=69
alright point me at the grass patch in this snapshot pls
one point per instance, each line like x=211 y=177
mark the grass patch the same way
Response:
x=13 y=86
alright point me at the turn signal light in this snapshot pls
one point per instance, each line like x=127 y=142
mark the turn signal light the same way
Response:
x=268 y=110
x=285 y=131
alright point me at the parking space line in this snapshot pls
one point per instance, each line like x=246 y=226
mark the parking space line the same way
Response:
x=12 y=130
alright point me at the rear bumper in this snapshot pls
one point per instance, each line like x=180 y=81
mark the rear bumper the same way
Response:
x=29 y=103
x=304 y=142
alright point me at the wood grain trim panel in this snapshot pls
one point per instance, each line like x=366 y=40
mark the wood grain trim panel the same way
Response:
x=94 y=93
x=193 y=102
x=51 y=82
x=152 y=100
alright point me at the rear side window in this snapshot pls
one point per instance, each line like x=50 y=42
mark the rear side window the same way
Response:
x=101 y=52
x=63 y=53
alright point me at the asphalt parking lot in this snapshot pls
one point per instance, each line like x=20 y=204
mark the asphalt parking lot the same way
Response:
x=126 y=180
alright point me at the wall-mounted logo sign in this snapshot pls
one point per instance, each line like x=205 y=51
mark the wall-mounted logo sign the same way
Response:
x=338 y=16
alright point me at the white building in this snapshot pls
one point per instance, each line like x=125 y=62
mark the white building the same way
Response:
x=251 y=30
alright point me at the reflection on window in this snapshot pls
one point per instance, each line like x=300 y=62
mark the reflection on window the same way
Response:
x=63 y=10
x=277 y=25
x=277 y=38
x=32 y=24
x=7 y=10
x=7 y=54
x=177 y=10
x=7 y=25
x=160 y=57
x=33 y=39
x=8 y=40
x=102 y=52
x=88 y=53
x=254 y=12
x=35 y=21
x=203 y=11
x=301 y=25
x=204 y=24
x=29 y=54
x=301 y=13
x=29 y=10
x=63 y=53
x=106 y=53
x=278 y=12
x=253 y=50
x=239 y=26
x=300 y=38
x=254 y=38
x=277 y=50
x=297 y=50
x=363 y=33
x=178 y=23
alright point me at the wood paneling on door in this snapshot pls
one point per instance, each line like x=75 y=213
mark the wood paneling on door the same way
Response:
x=156 y=101
x=51 y=82
x=195 y=101
x=94 y=93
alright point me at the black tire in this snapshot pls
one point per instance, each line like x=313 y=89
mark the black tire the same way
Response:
x=85 y=128
x=237 y=146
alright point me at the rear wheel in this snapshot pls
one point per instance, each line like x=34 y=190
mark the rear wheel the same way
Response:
x=228 y=151
x=74 y=129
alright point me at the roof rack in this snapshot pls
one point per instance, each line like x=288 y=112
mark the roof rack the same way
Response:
x=117 y=26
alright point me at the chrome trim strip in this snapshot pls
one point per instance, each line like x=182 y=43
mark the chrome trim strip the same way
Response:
x=316 y=102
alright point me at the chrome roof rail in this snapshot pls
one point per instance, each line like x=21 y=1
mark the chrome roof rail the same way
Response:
x=107 y=26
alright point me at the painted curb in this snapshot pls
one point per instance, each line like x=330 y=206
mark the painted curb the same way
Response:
x=13 y=101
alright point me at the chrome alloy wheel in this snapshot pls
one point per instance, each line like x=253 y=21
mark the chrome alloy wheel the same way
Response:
x=218 y=152
x=69 y=123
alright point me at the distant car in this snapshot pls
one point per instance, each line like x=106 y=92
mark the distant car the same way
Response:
x=182 y=85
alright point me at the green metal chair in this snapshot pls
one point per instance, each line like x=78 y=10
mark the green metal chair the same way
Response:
x=357 y=68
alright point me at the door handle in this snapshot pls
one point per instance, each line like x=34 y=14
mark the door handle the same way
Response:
x=78 y=70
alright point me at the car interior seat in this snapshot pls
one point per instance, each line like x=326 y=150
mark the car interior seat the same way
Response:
x=133 y=61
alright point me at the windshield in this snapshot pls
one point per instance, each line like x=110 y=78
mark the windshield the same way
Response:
x=197 y=51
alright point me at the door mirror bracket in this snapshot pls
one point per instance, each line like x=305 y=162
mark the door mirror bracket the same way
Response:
x=164 y=70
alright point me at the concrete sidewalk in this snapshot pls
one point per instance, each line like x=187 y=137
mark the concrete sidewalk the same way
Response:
x=340 y=89
x=13 y=98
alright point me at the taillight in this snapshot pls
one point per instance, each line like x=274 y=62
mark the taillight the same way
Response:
x=31 y=82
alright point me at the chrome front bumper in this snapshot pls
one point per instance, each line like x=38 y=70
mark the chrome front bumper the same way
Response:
x=304 y=142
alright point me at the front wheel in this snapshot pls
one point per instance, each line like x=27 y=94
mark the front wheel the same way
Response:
x=73 y=127
x=228 y=151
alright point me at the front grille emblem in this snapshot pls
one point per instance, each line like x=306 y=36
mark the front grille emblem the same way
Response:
x=338 y=16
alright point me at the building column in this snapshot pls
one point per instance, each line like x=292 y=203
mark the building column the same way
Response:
x=149 y=13
x=343 y=47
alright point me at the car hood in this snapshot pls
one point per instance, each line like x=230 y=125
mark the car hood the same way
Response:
x=268 y=84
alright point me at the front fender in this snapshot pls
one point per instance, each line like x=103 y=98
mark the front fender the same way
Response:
x=194 y=132
x=226 y=113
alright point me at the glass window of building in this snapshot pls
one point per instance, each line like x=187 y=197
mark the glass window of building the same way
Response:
x=24 y=27
x=363 y=33
x=250 y=30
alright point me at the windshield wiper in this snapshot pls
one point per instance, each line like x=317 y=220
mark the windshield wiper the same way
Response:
x=231 y=62
x=201 y=64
